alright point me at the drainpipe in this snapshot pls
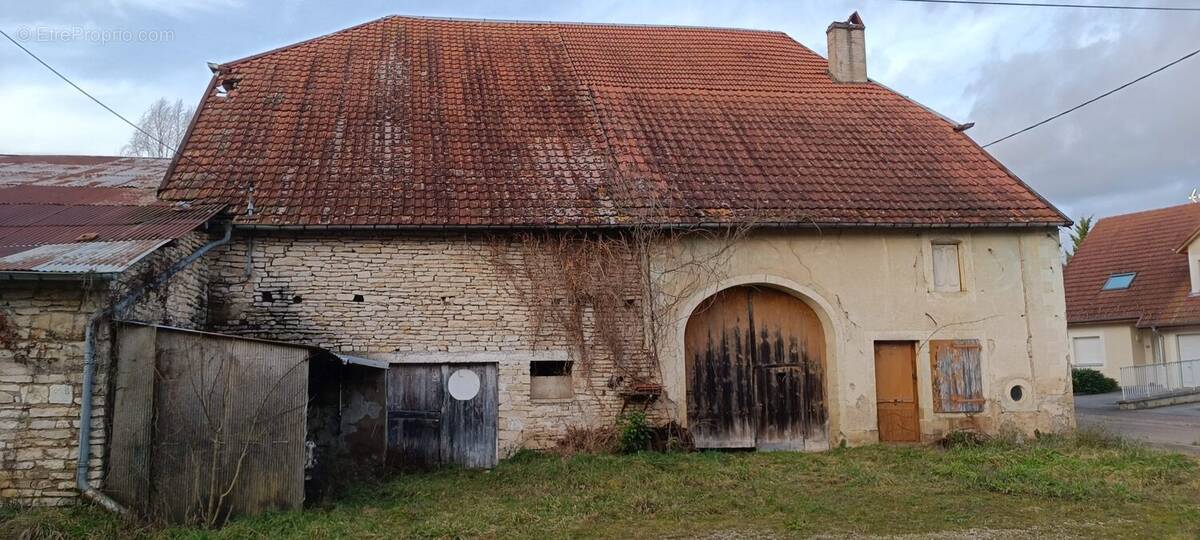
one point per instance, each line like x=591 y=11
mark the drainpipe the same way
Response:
x=89 y=370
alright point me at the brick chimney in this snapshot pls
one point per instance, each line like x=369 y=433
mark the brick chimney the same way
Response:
x=847 y=50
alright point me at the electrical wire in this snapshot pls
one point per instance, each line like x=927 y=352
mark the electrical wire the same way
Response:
x=1095 y=99
x=85 y=92
x=1051 y=5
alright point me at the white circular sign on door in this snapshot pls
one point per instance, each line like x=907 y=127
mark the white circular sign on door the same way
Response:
x=463 y=384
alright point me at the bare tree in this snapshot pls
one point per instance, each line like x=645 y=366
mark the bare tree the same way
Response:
x=162 y=128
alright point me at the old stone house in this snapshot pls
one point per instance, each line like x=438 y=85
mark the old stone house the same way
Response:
x=541 y=225
x=77 y=233
x=1133 y=298
x=780 y=251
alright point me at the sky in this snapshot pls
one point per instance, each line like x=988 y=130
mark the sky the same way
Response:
x=1002 y=68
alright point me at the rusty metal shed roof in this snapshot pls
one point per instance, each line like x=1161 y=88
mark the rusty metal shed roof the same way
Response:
x=137 y=173
x=75 y=215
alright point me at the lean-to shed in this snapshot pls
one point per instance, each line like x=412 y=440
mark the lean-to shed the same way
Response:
x=205 y=426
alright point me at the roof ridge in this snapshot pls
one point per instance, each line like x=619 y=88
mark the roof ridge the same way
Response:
x=584 y=23
x=1148 y=211
x=386 y=18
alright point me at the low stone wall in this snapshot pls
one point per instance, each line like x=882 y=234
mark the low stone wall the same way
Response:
x=41 y=369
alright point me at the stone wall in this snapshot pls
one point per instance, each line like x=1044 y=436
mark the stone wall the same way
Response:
x=41 y=368
x=401 y=297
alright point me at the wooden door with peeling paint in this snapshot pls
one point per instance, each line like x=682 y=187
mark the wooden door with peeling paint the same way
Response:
x=755 y=361
x=896 y=391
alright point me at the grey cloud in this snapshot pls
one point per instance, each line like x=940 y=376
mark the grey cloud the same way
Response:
x=1136 y=149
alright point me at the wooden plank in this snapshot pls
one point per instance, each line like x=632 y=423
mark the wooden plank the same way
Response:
x=469 y=426
x=896 y=392
x=718 y=343
x=957 y=371
x=415 y=397
x=754 y=359
x=790 y=356
x=128 y=479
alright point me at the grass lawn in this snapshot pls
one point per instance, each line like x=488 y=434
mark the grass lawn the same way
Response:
x=1065 y=488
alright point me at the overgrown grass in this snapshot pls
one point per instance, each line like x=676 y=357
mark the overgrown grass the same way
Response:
x=1069 y=487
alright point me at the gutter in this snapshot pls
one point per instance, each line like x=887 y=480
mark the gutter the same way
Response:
x=89 y=370
x=664 y=226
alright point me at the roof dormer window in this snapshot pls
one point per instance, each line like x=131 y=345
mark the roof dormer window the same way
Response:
x=1119 y=281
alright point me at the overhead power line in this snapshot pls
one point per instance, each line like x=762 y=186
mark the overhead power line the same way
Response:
x=85 y=92
x=1095 y=99
x=1052 y=5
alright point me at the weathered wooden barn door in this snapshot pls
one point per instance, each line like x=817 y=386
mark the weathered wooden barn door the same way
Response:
x=896 y=391
x=441 y=414
x=755 y=370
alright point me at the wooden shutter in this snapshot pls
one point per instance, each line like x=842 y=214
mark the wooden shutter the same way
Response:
x=947 y=276
x=957 y=376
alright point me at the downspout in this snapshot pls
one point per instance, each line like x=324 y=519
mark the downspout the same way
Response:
x=89 y=370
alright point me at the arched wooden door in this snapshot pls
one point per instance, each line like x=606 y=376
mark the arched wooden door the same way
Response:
x=755 y=361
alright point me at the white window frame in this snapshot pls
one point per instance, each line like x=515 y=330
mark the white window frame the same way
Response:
x=1179 y=345
x=1076 y=361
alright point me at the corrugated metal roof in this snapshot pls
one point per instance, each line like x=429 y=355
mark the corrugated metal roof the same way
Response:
x=80 y=258
x=86 y=214
x=137 y=173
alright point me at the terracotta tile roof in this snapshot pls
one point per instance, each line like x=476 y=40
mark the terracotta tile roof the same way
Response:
x=80 y=214
x=428 y=122
x=1143 y=242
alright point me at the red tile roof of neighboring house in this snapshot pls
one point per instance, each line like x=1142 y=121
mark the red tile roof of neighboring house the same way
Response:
x=80 y=214
x=429 y=122
x=1145 y=243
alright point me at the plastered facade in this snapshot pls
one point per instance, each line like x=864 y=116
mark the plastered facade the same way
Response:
x=41 y=369
x=1123 y=345
x=869 y=287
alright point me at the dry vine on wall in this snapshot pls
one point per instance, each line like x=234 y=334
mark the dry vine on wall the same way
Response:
x=613 y=294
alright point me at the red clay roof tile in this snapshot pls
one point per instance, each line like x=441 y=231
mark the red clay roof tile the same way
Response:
x=429 y=122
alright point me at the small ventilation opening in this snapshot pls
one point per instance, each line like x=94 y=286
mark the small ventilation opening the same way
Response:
x=549 y=368
x=1017 y=393
x=550 y=380
x=296 y=299
x=358 y=298
x=267 y=296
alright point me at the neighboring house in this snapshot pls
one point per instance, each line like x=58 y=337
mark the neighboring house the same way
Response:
x=538 y=226
x=1133 y=291
x=75 y=232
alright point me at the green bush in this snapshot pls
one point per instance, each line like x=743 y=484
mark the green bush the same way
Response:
x=1090 y=381
x=635 y=432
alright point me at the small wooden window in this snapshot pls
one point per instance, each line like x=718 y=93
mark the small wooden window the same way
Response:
x=947 y=276
x=957 y=376
x=550 y=380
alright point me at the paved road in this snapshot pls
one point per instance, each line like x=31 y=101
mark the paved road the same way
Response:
x=1176 y=427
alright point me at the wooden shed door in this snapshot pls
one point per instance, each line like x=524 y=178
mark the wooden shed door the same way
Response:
x=440 y=414
x=755 y=371
x=896 y=391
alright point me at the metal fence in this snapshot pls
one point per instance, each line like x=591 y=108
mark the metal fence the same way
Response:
x=1158 y=379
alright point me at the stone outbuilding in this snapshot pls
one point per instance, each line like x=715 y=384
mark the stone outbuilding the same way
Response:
x=77 y=233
